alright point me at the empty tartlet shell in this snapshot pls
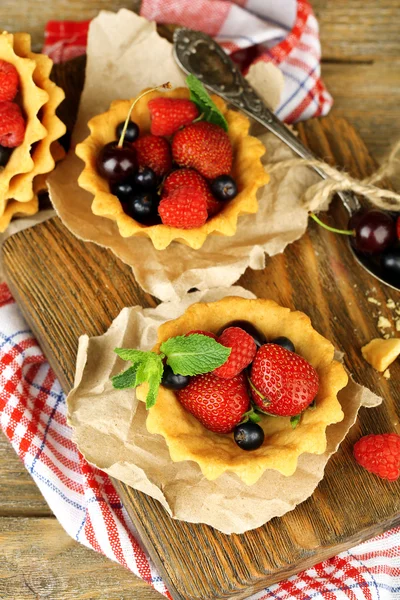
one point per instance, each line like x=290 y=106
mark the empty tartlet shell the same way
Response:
x=216 y=454
x=21 y=185
x=247 y=170
x=32 y=99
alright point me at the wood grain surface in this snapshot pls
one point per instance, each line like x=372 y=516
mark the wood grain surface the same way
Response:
x=317 y=274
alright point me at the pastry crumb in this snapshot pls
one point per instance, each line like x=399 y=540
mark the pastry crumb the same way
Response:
x=380 y=353
x=386 y=336
x=386 y=374
x=390 y=304
x=384 y=323
x=373 y=300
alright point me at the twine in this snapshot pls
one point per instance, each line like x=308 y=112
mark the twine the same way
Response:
x=340 y=181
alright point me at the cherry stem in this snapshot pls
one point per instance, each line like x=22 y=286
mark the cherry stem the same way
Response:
x=329 y=228
x=154 y=89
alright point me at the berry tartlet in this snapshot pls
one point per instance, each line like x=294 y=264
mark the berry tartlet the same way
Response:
x=29 y=126
x=257 y=389
x=200 y=175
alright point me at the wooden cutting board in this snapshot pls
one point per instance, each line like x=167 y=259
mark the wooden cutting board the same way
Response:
x=66 y=288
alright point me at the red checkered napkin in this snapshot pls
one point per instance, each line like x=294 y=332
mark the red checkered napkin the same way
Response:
x=284 y=32
x=33 y=417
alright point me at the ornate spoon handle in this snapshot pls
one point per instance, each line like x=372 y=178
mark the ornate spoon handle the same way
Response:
x=199 y=54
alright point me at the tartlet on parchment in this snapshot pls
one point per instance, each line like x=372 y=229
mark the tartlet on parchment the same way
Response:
x=38 y=98
x=247 y=170
x=216 y=454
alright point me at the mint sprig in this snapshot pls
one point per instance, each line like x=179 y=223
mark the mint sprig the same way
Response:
x=186 y=355
x=204 y=103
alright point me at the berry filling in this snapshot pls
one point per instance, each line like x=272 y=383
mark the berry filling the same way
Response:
x=187 y=148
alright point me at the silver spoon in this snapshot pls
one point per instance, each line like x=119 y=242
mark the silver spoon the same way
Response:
x=199 y=54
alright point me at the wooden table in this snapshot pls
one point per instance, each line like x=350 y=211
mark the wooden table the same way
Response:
x=361 y=67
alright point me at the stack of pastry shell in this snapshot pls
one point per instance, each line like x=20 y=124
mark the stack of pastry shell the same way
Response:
x=24 y=176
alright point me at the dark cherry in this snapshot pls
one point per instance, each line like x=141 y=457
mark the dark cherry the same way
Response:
x=5 y=154
x=255 y=333
x=116 y=164
x=172 y=381
x=124 y=190
x=143 y=207
x=131 y=133
x=284 y=342
x=375 y=231
x=390 y=263
x=224 y=187
x=146 y=178
x=248 y=436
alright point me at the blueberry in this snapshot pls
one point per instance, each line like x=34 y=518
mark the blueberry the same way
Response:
x=248 y=436
x=224 y=187
x=124 y=190
x=257 y=336
x=143 y=207
x=172 y=381
x=131 y=133
x=284 y=342
x=5 y=154
x=146 y=178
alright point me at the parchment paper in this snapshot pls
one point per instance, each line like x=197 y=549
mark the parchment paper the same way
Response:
x=109 y=429
x=125 y=55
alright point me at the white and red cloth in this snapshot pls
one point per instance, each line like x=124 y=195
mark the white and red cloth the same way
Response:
x=32 y=404
x=284 y=32
x=33 y=417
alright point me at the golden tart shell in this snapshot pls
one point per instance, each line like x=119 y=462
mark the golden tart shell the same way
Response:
x=216 y=454
x=247 y=170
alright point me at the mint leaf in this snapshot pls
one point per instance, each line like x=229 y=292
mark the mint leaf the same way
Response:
x=294 y=421
x=204 y=103
x=194 y=354
x=147 y=367
x=124 y=380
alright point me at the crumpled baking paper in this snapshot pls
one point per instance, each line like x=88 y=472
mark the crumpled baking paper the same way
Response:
x=109 y=429
x=125 y=54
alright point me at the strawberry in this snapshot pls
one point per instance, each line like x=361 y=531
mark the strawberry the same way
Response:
x=379 y=454
x=205 y=147
x=154 y=152
x=9 y=81
x=12 y=125
x=185 y=208
x=201 y=332
x=190 y=177
x=283 y=383
x=218 y=404
x=169 y=114
x=243 y=351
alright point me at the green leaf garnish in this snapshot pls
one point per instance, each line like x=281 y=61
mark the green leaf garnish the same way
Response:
x=294 y=421
x=186 y=355
x=124 y=380
x=194 y=354
x=204 y=103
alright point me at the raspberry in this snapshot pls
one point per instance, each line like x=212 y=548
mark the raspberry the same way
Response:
x=204 y=147
x=154 y=152
x=201 y=332
x=190 y=177
x=379 y=454
x=12 y=125
x=169 y=114
x=9 y=81
x=185 y=208
x=242 y=353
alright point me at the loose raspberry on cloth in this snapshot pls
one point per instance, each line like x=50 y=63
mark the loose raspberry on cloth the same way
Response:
x=285 y=33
